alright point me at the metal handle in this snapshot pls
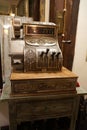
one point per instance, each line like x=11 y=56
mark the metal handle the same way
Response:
x=66 y=41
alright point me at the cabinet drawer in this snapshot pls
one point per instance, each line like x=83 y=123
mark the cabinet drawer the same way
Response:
x=42 y=86
x=43 y=109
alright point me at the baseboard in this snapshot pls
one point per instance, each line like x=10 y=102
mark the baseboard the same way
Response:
x=4 y=128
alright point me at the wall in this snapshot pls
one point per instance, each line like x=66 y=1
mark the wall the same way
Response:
x=80 y=58
x=6 y=69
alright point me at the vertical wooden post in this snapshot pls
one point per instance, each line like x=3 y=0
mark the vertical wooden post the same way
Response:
x=36 y=10
x=42 y=10
x=47 y=7
x=26 y=8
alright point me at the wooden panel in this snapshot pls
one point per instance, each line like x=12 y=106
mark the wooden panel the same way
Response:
x=70 y=25
x=41 y=83
x=44 y=86
x=42 y=10
x=21 y=8
x=44 y=107
x=6 y=6
x=70 y=32
x=34 y=9
x=55 y=5
x=35 y=110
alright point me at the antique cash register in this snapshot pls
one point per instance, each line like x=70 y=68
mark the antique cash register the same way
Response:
x=36 y=61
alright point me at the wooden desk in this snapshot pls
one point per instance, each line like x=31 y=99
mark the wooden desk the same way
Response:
x=42 y=106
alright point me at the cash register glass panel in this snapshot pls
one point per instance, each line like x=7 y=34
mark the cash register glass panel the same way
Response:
x=40 y=30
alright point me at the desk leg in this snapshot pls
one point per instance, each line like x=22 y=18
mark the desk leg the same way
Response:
x=13 y=126
x=12 y=116
x=75 y=113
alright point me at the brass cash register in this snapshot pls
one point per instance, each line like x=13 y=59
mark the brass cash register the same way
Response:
x=36 y=62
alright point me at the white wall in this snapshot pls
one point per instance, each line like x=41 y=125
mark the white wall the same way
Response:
x=6 y=69
x=80 y=63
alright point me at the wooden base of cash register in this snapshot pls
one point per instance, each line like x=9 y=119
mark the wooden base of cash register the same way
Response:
x=63 y=82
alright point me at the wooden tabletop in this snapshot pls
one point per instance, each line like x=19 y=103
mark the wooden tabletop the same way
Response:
x=65 y=73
